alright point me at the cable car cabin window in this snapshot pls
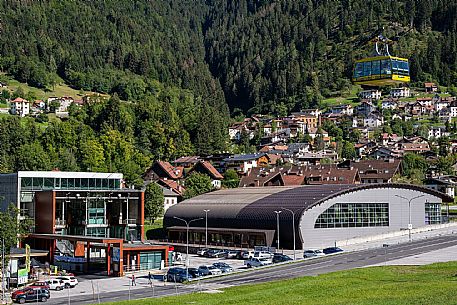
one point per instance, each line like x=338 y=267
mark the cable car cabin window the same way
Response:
x=375 y=67
x=385 y=67
x=358 y=72
x=403 y=67
x=395 y=66
x=367 y=68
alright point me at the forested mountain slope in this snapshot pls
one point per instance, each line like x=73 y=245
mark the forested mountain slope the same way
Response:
x=264 y=53
x=180 y=65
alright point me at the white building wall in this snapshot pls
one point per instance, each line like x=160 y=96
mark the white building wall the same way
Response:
x=398 y=215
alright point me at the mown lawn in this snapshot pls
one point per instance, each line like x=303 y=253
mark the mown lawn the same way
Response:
x=432 y=284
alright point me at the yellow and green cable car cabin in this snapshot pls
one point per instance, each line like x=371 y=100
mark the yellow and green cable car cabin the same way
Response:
x=381 y=71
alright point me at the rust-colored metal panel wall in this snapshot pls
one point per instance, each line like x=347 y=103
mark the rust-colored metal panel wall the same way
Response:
x=79 y=249
x=45 y=212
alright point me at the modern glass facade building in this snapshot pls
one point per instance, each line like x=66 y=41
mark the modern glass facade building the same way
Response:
x=20 y=188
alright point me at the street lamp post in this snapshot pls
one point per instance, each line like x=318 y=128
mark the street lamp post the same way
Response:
x=206 y=227
x=277 y=226
x=187 y=240
x=410 y=225
x=293 y=225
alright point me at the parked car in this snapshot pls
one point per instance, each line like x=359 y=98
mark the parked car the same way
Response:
x=40 y=284
x=68 y=281
x=312 y=252
x=224 y=267
x=202 y=251
x=209 y=270
x=262 y=254
x=278 y=258
x=215 y=253
x=30 y=294
x=230 y=254
x=194 y=272
x=55 y=284
x=178 y=275
x=332 y=250
x=248 y=254
x=257 y=262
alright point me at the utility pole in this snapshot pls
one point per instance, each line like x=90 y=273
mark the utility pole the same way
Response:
x=187 y=241
x=410 y=225
x=293 y=226
x=206 y=228
x=277 y=227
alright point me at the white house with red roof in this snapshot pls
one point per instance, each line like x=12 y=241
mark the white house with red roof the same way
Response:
x=20 y=107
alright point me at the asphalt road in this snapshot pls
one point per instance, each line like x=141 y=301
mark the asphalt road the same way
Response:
x=343 y=261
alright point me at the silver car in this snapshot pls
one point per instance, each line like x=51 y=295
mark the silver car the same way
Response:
x=312 y=253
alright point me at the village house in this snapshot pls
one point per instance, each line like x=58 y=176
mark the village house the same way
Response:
x=437 y=132
x=445 y=184
x=345 y=109
x=163 y=170
x=453 y=109
x=186 y=162
x=373 y=121
x=205 y=167
x=441 y=104
x=389 y=104
x=298 y=175
x=20 y=107
x=375 y=171
x=308 y=120
x=365 y=108
x=307 y=158
x=400 y=92
x=430 y=87
x=242 y=163
x=370 y=94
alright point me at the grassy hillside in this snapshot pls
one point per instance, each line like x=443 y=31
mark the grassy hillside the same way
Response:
x=60 y=89
x=432 y=284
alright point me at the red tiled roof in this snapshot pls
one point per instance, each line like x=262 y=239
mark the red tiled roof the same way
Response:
x=169 y=169
x=273 y=158
x=377 y=168
x=177 y=188
x=293 y=179
x=210 y=168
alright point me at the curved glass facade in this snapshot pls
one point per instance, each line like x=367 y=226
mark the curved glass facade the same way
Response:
x=348 y=215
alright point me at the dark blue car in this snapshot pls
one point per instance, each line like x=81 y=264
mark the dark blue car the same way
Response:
x=331 y=250
x=178 y=275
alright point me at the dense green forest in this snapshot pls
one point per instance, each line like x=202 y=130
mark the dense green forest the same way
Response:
x=176 y=67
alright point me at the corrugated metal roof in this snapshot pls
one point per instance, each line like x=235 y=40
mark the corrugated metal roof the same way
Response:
x=253 y=207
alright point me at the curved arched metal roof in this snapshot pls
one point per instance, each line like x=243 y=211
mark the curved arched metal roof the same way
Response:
x=253 y=207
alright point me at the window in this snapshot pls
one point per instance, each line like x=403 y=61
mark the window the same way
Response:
x=376 y=67
x=358 y=71
x=432 y=213
x=349 y=215
x=96 y=232
x=367 y=68
x=385 y=67
x=96 y=212
x=403 y=67
x=26 y=183
x=48 y=183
